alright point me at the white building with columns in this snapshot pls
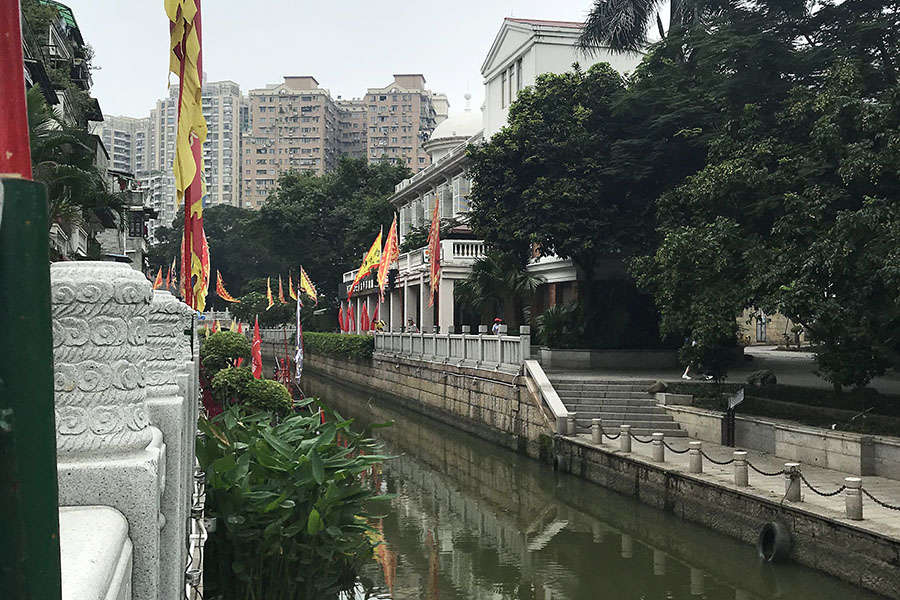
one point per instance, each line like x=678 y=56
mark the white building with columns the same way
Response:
x=522 y=50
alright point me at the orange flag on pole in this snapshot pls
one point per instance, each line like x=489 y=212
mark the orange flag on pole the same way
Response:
x=369 y=262
x=269 y=293
x=281 y=292
x=221 y=291
x=291 y=291
x=186 y=61
x=256 y=351
x=434 y=251
x=159 y=280
x=389 y=256
x=307 y=286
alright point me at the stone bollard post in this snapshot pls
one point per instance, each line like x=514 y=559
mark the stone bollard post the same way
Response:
x=741 y=476
x=465 y=329
x=791 y=482
x=659 y=563
x=695 y=459
x=503 y=329
x=697 y=588
x=625 y=438
x=627 y=546
x=525 y=341
x=596 y=432
x=853 y=498
x=571 y=426
x=561 y=425
x=659 y=450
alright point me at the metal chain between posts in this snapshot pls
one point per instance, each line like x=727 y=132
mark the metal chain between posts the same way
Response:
x=714 y=461
x=612 y=437
x=879 y=502
x=766 y=473
x=820 y=493
x=671 y=449
x=637 y=439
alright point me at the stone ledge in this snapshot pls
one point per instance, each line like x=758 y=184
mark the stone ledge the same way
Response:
x=95 y=553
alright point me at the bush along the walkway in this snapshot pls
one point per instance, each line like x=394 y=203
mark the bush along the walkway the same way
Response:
x=336 y=345
x=289 y=504
x=221 y=351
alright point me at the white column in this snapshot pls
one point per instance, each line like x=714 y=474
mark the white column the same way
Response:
x=426 y=313
x=357 y=315
x=396 y=309
x=445 y=305
x=409 y=307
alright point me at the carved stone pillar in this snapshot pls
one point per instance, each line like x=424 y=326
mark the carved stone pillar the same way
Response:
x=100 y=312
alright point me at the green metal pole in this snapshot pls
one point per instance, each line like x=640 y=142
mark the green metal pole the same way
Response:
x=29 y=512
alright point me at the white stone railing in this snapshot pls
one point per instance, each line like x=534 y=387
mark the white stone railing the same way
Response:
x=453 y=253
x=482 y=350
x=126 y=375
x=548 y=396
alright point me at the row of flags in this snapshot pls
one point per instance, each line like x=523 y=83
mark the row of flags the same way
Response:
x=304 y=285
x=347 y=320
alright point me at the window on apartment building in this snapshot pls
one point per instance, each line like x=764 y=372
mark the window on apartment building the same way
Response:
x=382 y=98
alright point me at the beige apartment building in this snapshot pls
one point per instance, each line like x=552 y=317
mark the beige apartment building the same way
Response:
x=401 y=117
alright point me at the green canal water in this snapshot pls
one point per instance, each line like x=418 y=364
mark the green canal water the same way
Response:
x=474 y=521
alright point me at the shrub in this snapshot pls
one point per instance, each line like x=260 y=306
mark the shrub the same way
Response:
x=561 y=326
x=267 y=395
x=221 y=350
x=287 y=498
x=229 y=385
x=355 y=347
x=762 y=377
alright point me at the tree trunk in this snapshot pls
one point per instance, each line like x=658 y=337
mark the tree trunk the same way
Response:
x=587 y=295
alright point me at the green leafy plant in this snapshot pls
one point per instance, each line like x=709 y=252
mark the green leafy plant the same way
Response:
x=221 y=350
x=289 y=503
x=561 y=326
x=267 y=395
x=336 y=345
x=229 y=385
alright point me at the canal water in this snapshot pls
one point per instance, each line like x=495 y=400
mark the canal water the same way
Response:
x=473 y=521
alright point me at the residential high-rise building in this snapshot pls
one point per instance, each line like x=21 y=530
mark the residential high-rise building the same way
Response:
x=153 y=149
x=352 y=119
x=401 y=116
x=120 y=136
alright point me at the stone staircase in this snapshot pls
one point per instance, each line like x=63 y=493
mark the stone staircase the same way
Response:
x=616 y=402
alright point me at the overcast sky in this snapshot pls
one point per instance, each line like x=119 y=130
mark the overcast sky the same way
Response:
x=348 y=45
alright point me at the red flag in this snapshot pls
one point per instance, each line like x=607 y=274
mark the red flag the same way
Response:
x=364 y=317
x=168 y=282
x=341 y=318
x=434 y=252
x=281 y=292
x=216 y=328
x=256 y=351
x=375 y=317
x=389 y=255
x=221 y=291
x=159 y=280
x=240 y=329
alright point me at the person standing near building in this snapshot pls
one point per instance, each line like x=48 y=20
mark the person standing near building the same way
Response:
x=496 y=328
x=411 y=326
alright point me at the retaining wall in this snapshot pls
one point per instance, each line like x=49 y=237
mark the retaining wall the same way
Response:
x=838 y=450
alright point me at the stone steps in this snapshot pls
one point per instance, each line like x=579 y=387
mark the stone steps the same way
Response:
x=616 y=403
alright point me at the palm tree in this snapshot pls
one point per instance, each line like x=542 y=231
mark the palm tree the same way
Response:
x=622 y=25
x=63 y=159
x=497 y=285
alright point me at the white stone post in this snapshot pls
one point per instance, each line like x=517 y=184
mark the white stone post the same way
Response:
x=409 y=307
x=571 y=427
x=697 y=587
x=596 y=432
x=627 y=546
x=426 y=313
x=397 y=321
x=525 y=342
x=561 y=424
x=658 y=449
x=695 y=459
x=791 y=482
x=464 y=330
x=107 y=451
x=482 y=332
x=853 y=498
x=625 y=438
x=659 y=563
x=741 y=475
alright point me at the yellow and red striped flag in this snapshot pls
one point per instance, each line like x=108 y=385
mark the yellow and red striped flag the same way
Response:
x=174 y=273
x=307 y=286
x=157 y=283
x=369 y=262
x=281 y=292
x=434 y=251
x=291 y=291
x=389 y=256
x=186 y=61
x=269 y=293
x=221 y=291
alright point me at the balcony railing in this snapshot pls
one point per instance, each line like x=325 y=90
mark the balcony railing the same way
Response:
x=482 y=350
x=453 y=253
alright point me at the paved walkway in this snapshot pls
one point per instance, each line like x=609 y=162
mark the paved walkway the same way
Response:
x=791 y=368
x=876 y=519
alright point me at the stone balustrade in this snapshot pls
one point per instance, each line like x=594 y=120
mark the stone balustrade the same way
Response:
x=126 y=387
x=481 y=350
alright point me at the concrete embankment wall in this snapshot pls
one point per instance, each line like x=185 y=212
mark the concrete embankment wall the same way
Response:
x=493 y=405
x=502 y=410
